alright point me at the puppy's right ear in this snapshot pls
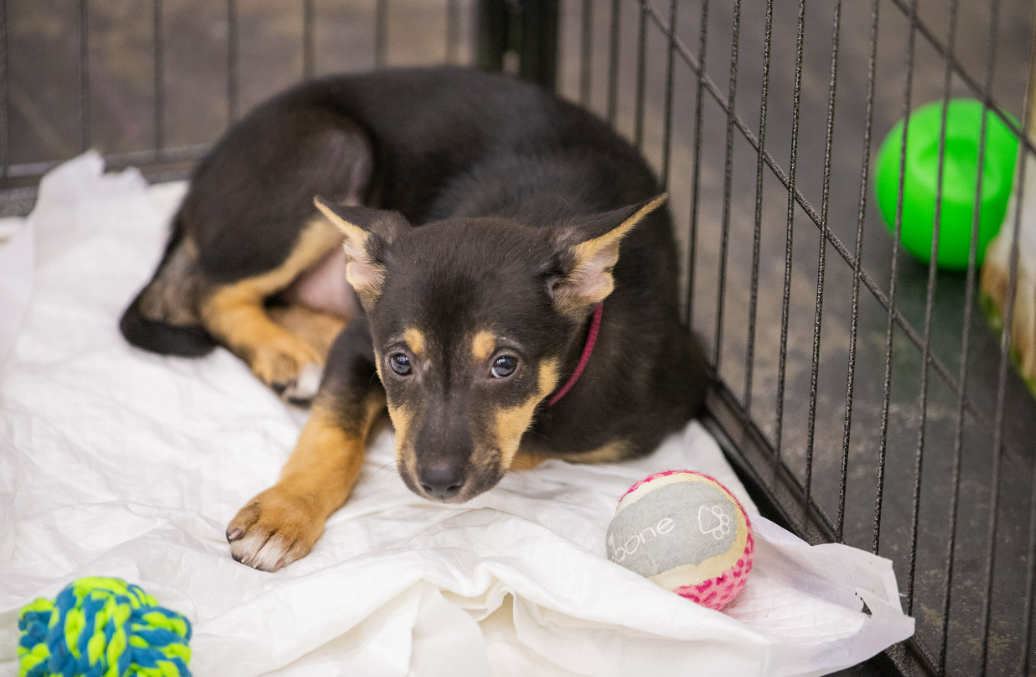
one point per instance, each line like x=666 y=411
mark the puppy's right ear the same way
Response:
x=588 y=250
x=368 y=235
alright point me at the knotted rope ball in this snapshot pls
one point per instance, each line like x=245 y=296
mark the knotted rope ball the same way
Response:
x=686 y=532
x=102 y=627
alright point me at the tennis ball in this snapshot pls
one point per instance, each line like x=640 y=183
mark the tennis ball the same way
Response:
x=960 y=176
x=686 y=532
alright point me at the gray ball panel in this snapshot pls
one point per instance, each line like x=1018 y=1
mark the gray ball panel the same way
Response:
x=676 y=524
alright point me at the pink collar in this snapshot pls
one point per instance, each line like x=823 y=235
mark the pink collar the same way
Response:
x=588 y=349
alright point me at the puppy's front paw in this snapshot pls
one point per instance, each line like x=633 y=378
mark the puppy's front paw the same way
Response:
x=273 y=530
x=291 y=368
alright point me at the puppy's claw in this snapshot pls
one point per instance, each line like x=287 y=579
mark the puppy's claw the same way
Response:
x=264 y=553
x=273 y=530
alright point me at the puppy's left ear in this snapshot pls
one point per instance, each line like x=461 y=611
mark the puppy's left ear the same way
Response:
x=588 y=250
x=368 y=235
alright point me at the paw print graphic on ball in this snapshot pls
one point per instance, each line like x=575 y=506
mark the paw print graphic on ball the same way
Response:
x=713 y=521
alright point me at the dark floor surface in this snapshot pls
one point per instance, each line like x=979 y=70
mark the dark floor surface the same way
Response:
x=45 y=126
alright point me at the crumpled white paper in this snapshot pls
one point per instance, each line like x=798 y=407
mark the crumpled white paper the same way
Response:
x=121 y=463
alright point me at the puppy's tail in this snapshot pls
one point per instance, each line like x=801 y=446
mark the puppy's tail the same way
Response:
x=163 y=337
x=163 y=318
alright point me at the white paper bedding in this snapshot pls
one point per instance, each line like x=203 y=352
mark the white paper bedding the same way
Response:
x=121 y=463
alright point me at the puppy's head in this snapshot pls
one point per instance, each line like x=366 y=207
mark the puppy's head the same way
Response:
x=471 y=320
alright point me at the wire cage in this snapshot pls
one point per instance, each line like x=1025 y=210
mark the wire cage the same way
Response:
x=861 y=395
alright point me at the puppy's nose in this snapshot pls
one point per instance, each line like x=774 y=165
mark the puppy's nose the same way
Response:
x=442 y=481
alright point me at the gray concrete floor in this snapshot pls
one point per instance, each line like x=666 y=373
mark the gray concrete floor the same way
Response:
x=43 y=53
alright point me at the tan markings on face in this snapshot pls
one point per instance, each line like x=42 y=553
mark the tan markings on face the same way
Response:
x=415 y=341
x=402 y=418
x=548 y=377
x=482 y=345
x=512 y=422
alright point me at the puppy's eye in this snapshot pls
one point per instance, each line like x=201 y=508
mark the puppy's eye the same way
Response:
x=504 y=366
x=400 y=364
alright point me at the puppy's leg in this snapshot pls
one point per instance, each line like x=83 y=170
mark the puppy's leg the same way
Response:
x=318 y=330
x=612 y=452
x=236 y=316
x=281 y=524
x=527 y=460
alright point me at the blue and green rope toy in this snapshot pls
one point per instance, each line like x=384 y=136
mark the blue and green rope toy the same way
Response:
x=102 y=627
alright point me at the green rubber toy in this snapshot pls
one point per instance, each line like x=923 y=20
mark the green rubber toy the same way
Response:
x=960 y=174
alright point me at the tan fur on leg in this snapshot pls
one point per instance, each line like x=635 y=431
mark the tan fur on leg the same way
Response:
x=613 y=452
x=235 y=315
x=316 y=329
x=525 y=460
x=281 y=524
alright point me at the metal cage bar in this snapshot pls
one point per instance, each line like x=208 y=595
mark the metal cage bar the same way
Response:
x=586 y=52
x=698 y=67
x=5 y=134
x=929 y=300
x=380 y=32
x=158 y=75
x=84 y=75
x=789 y=234
x=309 y=50
x=857 y=267
x=667 y=105
x=232 y=54
x=958 y=441
x=1030 y=578
x=613 y=62
x=638 y=123
x=452 y=30
x=998 y=429
x=753 y=297
x=822 y=259
x=728 y=180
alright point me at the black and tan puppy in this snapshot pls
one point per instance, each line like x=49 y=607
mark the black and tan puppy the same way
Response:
x=495 y=238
